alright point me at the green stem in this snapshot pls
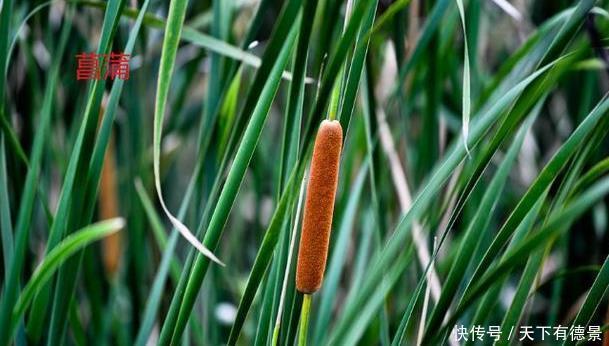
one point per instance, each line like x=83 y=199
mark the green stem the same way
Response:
x=275 y=335
x=304 y=320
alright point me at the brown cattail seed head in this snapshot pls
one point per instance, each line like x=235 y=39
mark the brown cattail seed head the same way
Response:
x=108 y=208
x=319 y=207
x=108 y=204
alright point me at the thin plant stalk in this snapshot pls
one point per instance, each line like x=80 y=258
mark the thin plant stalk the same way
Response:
x=426 y=299
x=288 y=264
x=304 y=320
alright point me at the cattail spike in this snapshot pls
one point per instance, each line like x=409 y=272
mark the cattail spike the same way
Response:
x=319 y=207
x=108 y=203
x=108 y=208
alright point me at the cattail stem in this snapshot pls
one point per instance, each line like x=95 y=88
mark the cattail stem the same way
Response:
x=304 y=320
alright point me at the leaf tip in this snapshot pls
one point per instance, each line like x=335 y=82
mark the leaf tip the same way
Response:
x=118 y=223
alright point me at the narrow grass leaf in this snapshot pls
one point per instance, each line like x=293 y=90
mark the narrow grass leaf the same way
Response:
x=68 y=247
x=593 y=298
x=263 y=257
x=466 y=79
x=5 y=213
x=173 y=30
x=338 y=257
x=168 y=259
